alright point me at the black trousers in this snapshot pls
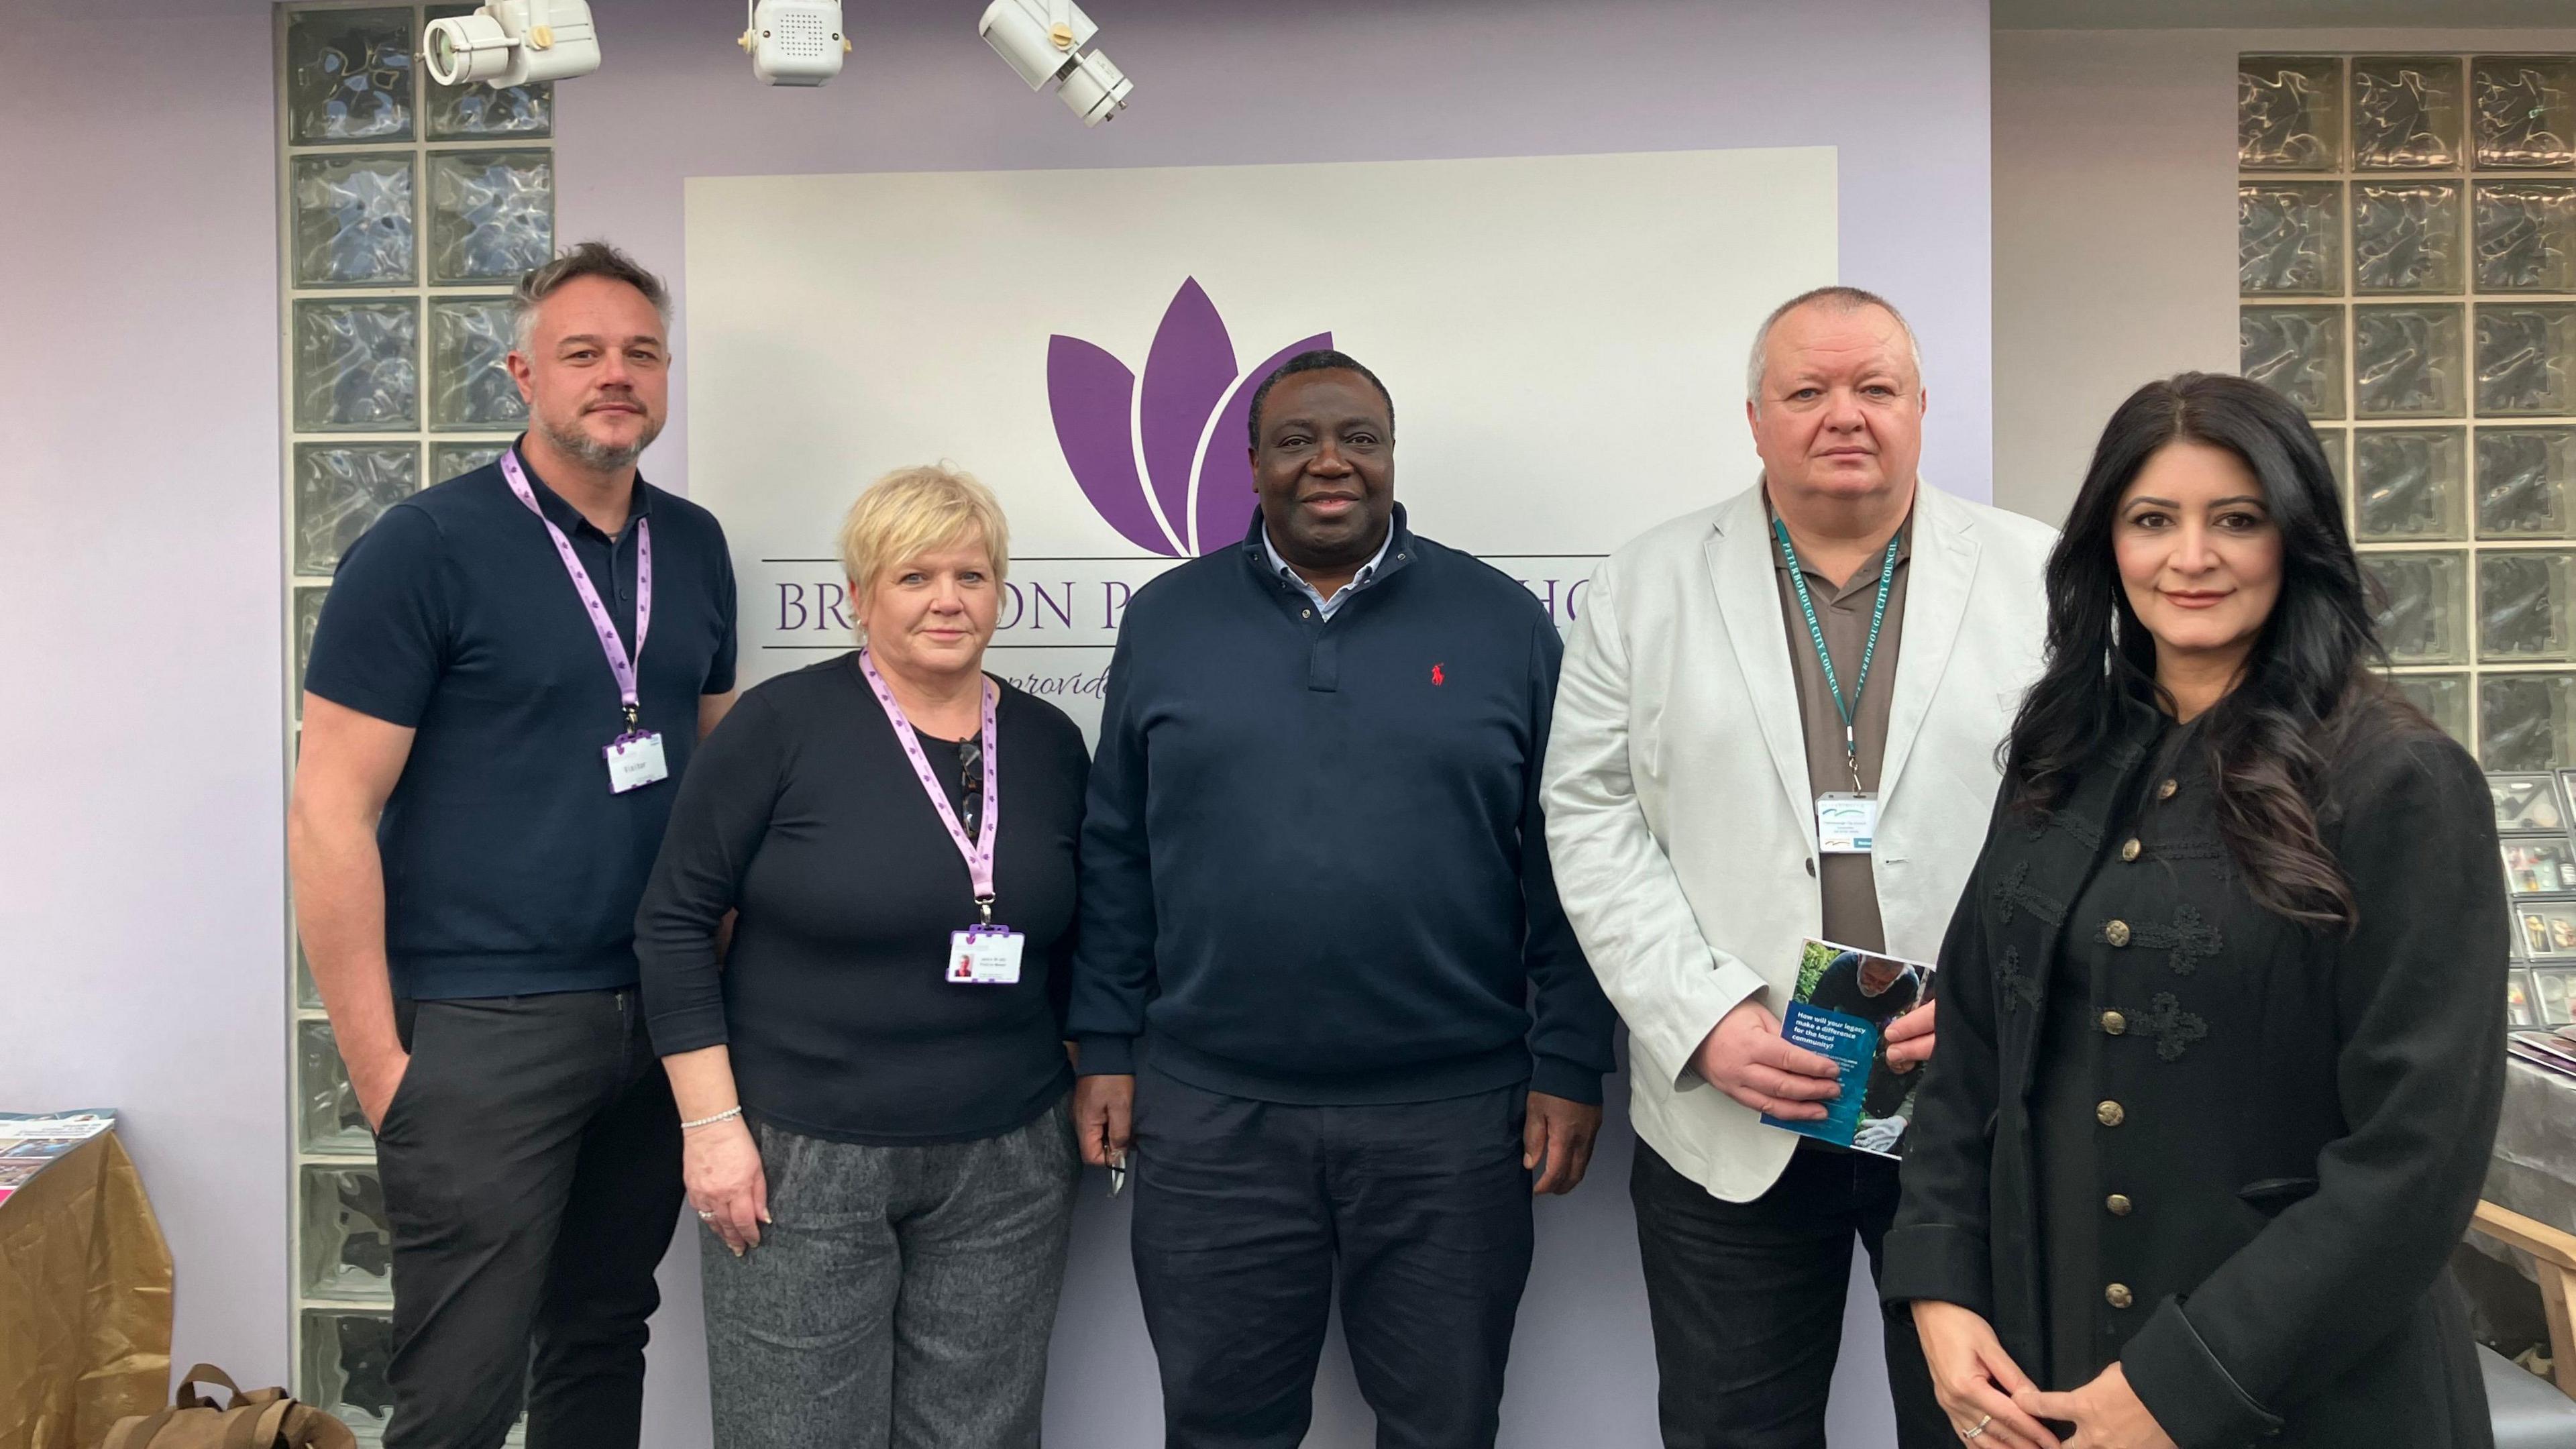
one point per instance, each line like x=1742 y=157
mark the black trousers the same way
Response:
x=1747 y=1302
x=531 y=1165
x=1246 y=1212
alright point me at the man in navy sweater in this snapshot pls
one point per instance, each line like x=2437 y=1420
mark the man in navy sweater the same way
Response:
x=1315 y=884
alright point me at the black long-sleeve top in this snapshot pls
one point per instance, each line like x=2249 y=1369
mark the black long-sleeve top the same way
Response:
x=802 y=812
x=2168 y=1127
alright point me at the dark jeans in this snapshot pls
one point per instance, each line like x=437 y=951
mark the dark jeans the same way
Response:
x=1246 y=1211
x=900 y=1296
x=1747 y=1302
x=524 y=1125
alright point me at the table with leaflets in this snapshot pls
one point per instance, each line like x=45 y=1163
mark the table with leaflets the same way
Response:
x=84 y=1283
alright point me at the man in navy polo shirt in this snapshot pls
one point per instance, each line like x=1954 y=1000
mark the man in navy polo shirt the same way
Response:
x=1315 y=883
x=508 y=675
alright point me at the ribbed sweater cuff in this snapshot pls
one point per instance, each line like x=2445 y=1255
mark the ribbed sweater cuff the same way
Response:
x=1105 y=1056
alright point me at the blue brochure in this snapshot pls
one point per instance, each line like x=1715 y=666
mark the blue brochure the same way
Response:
x=1848 y=1040
x=1844 y=1001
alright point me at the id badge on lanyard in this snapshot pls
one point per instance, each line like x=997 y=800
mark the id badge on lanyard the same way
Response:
x=634 y=756
x=1846 y=821
x=985 y=953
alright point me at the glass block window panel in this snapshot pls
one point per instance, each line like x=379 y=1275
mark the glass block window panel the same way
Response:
x=450 y=460
x=353 y=219
x=2527 y=607
x=342 y=1370
x=2289 y=113
x=2526 y=482
x=2411 y=484
x=2406 y=236
x=349 y=76
x=356 y=366
x=348 y=1242
x=2421 y=601
x=2526 y=722
x=2443 y=696
x=2523 y=110
x=308 y=616
x=476 y=110
x=340 y=488
x=2408 y=362
x=2289 y=238
x=2331 y=439
x=2526 y=237
x=2526 y=358
x=470 y=383
x=327 y=1106
x=2405 y=113
x=2297 y=352
x=491 y=214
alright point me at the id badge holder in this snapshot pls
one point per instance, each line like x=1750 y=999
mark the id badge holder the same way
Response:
x=634 y=761
x=984 y=956
x=1846 y=823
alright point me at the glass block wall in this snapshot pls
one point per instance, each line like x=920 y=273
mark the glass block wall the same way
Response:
x=407 y=210
x=2406 y=260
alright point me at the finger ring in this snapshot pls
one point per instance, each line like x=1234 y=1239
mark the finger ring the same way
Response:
x=706 y=1217
x=1980 y=1429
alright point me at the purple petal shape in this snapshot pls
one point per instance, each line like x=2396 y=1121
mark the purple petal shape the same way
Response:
x=1089 y=391
x=1223 y=501
x=1187 y=372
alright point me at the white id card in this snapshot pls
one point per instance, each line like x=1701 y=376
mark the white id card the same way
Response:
x=1845 y=823
x=634 y=761
x=984 y=956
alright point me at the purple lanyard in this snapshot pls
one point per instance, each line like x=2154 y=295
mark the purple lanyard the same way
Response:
x=979 y=851
x=620 y=663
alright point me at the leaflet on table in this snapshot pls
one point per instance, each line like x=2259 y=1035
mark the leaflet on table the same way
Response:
x=29 y=1143
x=1844 y=1001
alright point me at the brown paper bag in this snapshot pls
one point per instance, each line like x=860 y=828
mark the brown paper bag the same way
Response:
x=256 y=1419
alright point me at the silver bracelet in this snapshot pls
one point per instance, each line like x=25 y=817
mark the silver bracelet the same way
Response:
x=727 y=1115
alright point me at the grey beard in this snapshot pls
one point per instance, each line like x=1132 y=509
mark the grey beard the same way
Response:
x=591 y=453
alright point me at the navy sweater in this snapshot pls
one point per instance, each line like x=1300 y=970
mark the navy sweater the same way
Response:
x=1314 y=868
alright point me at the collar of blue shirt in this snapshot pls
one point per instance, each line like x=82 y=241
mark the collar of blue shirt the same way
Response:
x=1360 y=580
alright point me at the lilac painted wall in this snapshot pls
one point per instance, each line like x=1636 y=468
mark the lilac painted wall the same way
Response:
x=140 y=593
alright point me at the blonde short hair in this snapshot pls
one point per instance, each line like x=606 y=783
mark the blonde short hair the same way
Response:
x=912 y=511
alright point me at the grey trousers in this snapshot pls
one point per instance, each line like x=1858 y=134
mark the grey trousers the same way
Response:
x=900 y=1298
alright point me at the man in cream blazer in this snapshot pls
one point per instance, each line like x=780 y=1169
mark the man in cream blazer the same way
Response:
x=1707 y=701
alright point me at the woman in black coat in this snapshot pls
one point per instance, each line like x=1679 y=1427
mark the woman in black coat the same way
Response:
x=2221 y=1013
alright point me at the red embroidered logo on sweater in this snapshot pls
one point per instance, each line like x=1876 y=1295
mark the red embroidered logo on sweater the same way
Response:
x=1438 y=678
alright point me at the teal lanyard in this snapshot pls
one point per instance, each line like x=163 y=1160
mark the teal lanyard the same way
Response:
x=1816 y=634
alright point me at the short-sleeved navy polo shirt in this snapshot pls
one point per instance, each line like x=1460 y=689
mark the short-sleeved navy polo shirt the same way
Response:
x=509 y=867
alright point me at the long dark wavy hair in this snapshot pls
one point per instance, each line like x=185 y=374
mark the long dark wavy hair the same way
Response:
x=2269 y=738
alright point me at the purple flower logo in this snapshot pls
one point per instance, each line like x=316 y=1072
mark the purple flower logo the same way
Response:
x=1163 y=460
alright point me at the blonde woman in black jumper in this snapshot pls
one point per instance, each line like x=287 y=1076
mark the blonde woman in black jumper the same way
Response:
x=2221 y=1009
x=871 y=1076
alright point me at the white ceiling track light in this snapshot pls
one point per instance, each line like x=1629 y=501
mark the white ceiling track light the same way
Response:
x=795 y=42
x=1043 y=41
x=513 y=42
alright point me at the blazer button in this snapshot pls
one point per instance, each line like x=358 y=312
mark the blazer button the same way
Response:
x=2116 y=932
x=2166 y=790
x=2110 y=1114
x=2118 y=1295
x=1811 y=865
x=2113 y=1023
x=2117 y=1204
x=2130 y=850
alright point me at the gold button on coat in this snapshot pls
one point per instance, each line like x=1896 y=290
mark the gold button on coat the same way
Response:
x=2118 y=1204
x=2117 y=1295
x=2130 y=850
x=2114 y=1023
x=2166 y=790
x=2117 y=933
x=2110 y=1114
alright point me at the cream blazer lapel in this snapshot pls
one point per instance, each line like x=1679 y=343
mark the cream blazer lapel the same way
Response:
x=1738 y=552
x=1941 y=571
